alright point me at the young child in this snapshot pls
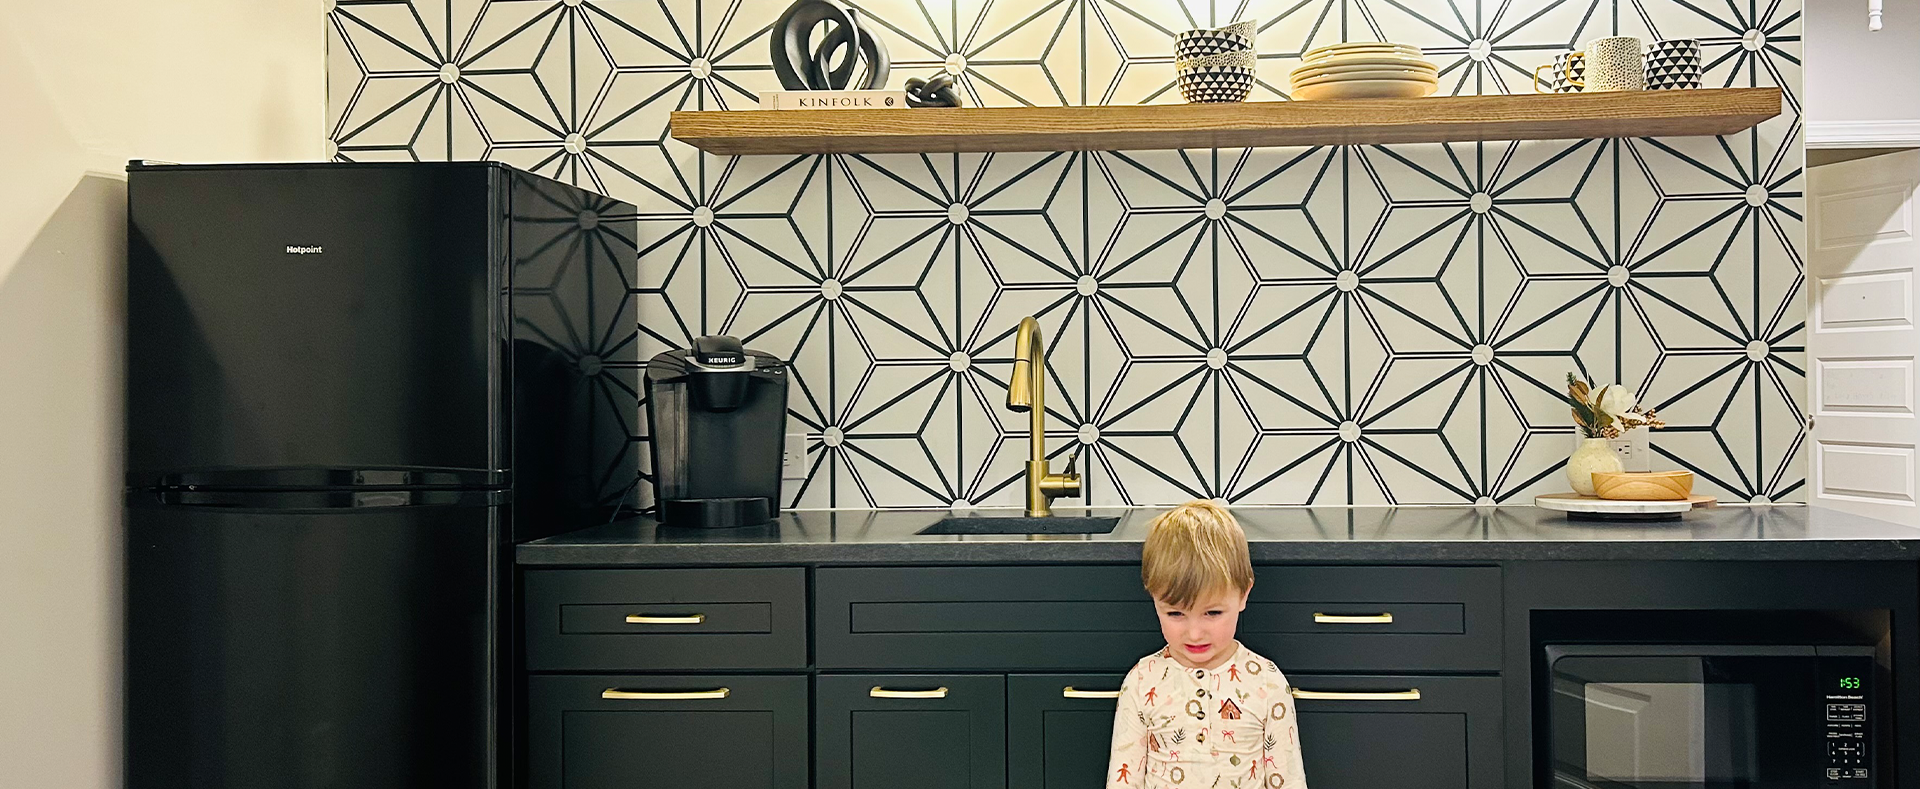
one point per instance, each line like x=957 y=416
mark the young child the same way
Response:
x=1205 y=712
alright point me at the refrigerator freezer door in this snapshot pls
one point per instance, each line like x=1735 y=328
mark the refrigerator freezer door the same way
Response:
x=306 y=649
x=341 y=317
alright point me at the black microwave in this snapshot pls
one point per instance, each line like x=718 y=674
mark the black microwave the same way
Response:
x=1711 y=717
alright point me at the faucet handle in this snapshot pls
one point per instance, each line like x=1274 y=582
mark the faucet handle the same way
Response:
x=1066 y=483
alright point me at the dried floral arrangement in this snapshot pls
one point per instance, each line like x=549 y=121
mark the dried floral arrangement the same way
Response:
x=1607 y=412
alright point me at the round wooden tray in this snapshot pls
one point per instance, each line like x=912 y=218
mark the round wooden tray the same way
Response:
x=1595 y=508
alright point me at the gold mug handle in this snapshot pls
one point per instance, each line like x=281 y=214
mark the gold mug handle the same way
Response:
x=1578 y=82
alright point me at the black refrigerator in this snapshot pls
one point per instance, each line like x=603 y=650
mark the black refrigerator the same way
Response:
x=351 y=389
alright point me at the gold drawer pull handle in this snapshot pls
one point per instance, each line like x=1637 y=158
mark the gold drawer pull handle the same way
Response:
x=664 y=695
x=679 y=619
x=882 y=693
x=1410 y=694
x=1072 y=692
x=1345 y=619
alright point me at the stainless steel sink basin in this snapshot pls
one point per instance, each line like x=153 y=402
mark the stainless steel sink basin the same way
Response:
x=1054 y=524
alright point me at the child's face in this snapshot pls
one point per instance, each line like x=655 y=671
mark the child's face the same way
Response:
x=1202 y=634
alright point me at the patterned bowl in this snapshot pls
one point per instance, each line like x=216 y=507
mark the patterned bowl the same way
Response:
x=1236 y=37
x=1188 y=45
x=1216 y=84
x=1201 y=47
x=1242 y=59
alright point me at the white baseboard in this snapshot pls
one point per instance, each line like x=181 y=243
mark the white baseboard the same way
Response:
x=1863 y=134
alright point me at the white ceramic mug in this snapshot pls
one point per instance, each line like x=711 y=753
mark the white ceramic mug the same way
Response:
x=1673 y=64
x=1615 y=63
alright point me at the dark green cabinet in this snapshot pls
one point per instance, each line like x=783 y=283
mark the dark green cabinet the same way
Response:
x=1400 y=732
x=926 y=731
x=1059 y=729
x=621 y=732
x=997 y=721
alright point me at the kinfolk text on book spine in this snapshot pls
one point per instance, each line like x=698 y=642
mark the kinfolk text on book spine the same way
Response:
x=833 y=100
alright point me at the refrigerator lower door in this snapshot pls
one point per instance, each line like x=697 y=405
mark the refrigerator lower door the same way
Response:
x=301 y=649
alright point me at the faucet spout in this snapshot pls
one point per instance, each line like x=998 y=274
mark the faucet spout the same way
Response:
x=1027 y=392
x=1027 y=389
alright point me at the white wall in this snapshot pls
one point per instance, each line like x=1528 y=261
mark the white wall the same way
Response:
x=84 y=86
x=1855 y=76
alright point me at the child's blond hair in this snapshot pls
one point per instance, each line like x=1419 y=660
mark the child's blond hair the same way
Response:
x=1195 y=551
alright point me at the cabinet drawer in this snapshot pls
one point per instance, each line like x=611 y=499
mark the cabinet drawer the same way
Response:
x=925 y=731
x=641 y=620
x=611 y=731
x=1375 y=618
x=1060 y=729
x=1099 y=618
x=1373 y=734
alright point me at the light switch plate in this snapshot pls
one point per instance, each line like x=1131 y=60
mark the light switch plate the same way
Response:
x=793 y=463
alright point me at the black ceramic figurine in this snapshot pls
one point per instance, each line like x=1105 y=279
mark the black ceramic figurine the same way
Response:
x=802 y=69
x=934 y=92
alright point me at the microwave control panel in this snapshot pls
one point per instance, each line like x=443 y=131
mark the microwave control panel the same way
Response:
x=1846 y=693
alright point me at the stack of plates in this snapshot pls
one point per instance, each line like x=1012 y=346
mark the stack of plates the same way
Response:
x=1365 y=71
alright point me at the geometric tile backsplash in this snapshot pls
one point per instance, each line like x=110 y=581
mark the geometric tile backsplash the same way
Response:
x=1333 y=325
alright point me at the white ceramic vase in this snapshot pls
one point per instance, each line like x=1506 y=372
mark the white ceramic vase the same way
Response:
x=1593 y=454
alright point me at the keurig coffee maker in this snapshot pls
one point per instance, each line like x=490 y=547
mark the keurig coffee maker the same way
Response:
x=719 y=421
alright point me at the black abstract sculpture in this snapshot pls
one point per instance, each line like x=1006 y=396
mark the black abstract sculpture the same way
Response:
x=934 y=92
x=830 y=64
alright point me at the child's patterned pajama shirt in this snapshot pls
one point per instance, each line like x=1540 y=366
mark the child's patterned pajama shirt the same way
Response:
x=1230 y=727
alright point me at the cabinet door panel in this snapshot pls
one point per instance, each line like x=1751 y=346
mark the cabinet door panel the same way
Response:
x=1055 y=741
x=753 y=738
x=955 y=741
x=1448 y=738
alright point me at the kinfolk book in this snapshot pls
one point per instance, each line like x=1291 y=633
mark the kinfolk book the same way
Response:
x=833 y=100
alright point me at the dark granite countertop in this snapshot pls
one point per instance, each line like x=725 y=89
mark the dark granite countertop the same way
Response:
x=1277 y=535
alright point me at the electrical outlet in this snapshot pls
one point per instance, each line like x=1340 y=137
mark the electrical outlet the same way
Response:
x=793 y=464
x=1635 y=450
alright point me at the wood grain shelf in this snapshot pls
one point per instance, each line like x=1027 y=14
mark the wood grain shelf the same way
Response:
x=1563 y=116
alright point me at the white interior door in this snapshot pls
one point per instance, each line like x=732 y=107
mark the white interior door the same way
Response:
x=1861 y=338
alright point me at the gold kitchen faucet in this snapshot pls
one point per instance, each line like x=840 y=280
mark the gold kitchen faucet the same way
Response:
x=1027 y=391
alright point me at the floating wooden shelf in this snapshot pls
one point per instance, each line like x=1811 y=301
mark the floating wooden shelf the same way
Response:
x=1562 y=116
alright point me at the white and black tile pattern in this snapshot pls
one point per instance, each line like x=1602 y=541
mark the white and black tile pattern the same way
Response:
x=1365 y=324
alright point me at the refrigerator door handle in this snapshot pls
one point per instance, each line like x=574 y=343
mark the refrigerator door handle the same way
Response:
x=320 y=477
x=317 y=499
